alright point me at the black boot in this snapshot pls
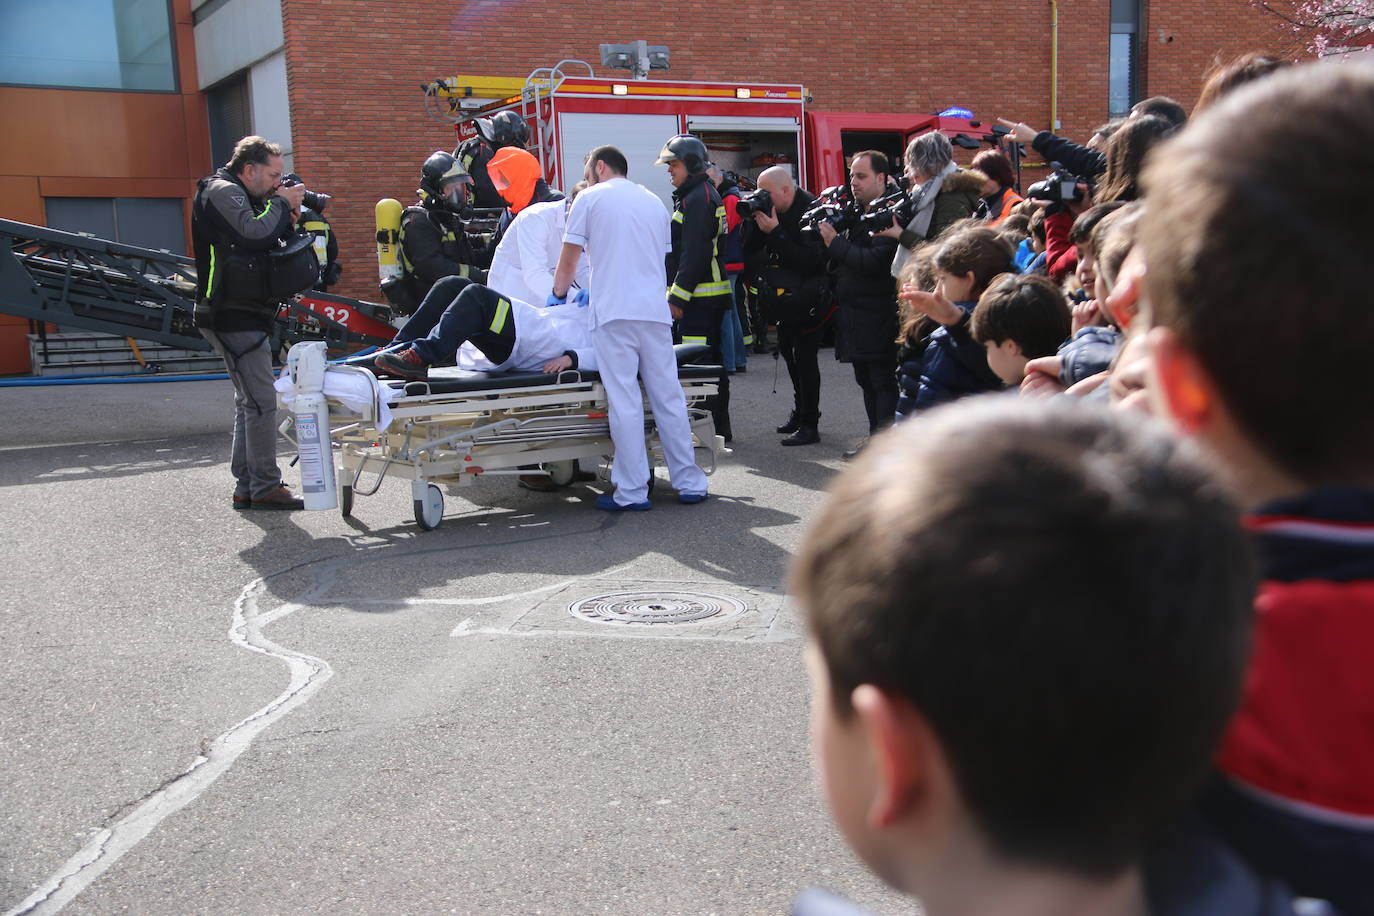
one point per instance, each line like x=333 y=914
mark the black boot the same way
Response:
x=805 y=435
x=792 y=425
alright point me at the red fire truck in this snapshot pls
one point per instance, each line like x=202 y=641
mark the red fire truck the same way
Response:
x=747 y=126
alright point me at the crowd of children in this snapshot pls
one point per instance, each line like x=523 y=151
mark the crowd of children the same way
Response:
x=1068 y=659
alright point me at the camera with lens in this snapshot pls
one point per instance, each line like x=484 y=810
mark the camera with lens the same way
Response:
x=312 y=199
x=1059 y=188
x=756 y=201
x=835 y=206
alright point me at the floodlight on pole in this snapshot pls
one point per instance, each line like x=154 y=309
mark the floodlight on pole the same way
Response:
x=639 y=57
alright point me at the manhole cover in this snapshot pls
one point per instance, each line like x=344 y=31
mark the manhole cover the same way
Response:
x=655 y=607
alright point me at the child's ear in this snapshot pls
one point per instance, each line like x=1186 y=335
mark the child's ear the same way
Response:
x=1014 y=348
x=900 y=743
x=1182 y=388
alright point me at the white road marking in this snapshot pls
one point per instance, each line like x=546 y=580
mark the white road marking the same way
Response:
x=308 y=674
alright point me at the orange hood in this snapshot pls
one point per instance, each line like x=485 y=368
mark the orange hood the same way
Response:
x=514 y=172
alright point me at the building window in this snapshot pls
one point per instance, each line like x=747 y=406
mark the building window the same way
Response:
x=148 y=222
x=88 y=44
x=1123 y=84
x=231 y=116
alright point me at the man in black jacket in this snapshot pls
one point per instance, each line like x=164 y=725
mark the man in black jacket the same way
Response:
x=867 y=316
x=241 y=213
x=791 y=282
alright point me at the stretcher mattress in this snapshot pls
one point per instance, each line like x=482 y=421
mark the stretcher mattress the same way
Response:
x=457 y=381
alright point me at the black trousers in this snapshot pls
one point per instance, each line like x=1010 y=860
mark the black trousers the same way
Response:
x=799 y=349
x=878 y=379
x=432 y=308
x=479 y=315
x=701 y=322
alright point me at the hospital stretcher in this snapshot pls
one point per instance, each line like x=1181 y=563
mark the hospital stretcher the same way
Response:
x=457 y=426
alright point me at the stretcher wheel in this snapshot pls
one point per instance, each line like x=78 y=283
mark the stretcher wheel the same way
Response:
x=345 y=500
x=561 y=472
x=429 y=511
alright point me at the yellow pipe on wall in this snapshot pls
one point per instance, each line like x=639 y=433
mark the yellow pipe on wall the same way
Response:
x=1054 y=65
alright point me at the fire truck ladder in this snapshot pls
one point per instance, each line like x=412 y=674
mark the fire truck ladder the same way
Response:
x=79 y=281
x=539 y=85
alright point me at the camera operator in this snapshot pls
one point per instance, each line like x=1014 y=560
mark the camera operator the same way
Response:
x=867 y=316
x=793 y=289
x=240 y=213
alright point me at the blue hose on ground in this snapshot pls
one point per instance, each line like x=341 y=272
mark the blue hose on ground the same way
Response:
x=42 y=381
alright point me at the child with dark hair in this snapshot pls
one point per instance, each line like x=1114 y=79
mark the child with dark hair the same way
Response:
x=1020 y=664
x=1030 y=256
x=1258 y=294
x=937 y=360
x=1019 y=318
x=1096 y=336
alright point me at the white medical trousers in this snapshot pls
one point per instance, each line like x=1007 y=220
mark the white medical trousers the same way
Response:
x=626 y=348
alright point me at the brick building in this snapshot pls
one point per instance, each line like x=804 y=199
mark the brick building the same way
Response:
x=338 y=82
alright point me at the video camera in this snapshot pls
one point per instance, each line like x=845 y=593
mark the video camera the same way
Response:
x=1060 y=187
x=835 y=206
x=892 y=207
x=312 y=199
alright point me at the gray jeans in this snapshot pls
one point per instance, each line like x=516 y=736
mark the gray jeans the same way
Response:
x=248 y=358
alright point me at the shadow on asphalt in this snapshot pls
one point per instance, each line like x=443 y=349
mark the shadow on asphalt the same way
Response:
x=522 y=534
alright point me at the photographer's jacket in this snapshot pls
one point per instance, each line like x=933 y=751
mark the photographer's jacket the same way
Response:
x=696 y=267
x=433 y=246
x=867 y=319
x=787 y=259
x=232 y=233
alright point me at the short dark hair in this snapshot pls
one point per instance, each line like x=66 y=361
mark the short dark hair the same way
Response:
x=613 y=158
x=878 y=160
x=995 y=164
x=256 y=150
x=1087 y=221
x=1162 y=106
x=1256 y=236
x=1026 y=575
x=1026 y=308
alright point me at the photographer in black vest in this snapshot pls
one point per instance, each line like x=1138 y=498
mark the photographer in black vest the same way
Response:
x=240 y=214
x=790 y=272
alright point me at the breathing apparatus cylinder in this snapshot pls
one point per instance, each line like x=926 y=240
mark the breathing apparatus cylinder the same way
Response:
x=306 y=362
x=389 y=212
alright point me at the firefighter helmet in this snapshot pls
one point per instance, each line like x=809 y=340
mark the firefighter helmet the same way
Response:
x=505 y=128
x=440 y=169
x=686 y=149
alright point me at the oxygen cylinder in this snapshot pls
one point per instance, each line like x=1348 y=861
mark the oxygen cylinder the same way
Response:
x=389 y=212
x=306 y=364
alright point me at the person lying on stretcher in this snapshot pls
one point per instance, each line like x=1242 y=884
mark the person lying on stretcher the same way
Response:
x=483 y=330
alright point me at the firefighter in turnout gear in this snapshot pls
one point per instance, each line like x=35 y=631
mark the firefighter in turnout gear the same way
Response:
x=699 y=289
x=433 y=245
x=326 y=246
x=503 y=129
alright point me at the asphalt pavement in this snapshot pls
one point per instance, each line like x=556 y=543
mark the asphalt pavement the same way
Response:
x=210 y=711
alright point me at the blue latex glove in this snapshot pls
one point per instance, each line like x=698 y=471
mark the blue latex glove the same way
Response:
x=582 y=299
x=555 y=300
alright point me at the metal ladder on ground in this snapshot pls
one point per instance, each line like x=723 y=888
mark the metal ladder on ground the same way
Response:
x=80 y=282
